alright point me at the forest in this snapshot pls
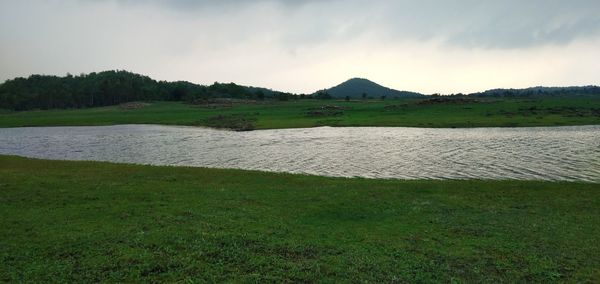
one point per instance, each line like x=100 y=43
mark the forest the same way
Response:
x=114 y=87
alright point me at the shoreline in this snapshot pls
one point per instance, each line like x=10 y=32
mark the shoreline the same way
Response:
x=293 y=128
x=251 y=171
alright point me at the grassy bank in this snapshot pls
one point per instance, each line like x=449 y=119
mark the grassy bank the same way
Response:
x=88 y=221
x=310 y=113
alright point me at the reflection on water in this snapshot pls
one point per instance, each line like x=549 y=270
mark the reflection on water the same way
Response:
x=548 y=153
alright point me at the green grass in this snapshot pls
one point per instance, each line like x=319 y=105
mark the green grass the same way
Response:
x=90 y=221
x=293 y=114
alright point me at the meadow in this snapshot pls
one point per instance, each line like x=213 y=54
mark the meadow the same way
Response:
x=66 y=221
x=248 y=115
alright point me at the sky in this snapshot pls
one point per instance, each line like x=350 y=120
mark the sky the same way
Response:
x=428 y=46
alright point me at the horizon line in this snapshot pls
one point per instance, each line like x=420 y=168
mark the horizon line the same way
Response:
x=301 y=93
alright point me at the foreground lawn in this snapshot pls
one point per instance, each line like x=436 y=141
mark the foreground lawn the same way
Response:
x=89 y=221
x=308 y=113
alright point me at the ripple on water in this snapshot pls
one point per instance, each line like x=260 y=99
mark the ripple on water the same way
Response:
x=545 y=153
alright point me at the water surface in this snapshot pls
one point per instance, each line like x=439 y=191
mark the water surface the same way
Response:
x=541 y=153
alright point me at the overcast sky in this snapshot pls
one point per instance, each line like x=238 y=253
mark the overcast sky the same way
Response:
x=443 y=46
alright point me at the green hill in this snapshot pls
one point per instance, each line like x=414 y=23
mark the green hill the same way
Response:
x=356 y=87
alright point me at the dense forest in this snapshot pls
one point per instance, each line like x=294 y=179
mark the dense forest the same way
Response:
x=114 y=87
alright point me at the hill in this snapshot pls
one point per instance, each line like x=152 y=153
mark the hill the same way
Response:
x=585 y=91
x=356 y=87
x=114 y=87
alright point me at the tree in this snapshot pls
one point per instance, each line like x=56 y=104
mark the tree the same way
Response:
x=260 y=95
x=281 y=96
x=347 y=98
x=364 y=96
x=323 y=95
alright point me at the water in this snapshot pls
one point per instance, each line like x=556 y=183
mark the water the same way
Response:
x=541 y=153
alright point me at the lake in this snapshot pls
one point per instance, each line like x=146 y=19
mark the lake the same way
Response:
x=538 y=153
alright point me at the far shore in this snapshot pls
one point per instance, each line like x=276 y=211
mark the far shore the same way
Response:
x=336 y=113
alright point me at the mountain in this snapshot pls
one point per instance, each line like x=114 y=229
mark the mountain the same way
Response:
x=356 y=87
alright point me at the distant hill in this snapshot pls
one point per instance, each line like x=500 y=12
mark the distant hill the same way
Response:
x=588 y=91
x=356 y=87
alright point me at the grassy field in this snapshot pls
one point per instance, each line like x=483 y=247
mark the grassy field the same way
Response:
x=310 y=113
x=89 y=221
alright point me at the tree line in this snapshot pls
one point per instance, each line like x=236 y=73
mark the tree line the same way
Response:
x=589 y=91
x=115 y=87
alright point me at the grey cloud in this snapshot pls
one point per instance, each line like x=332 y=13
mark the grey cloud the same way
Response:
x=513 y=24
x=195 y=5
x=487 y=24
x=278 y=41
x=468 y=23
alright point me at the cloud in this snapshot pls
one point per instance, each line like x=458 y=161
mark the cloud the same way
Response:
x=301 y=46
x=469 y=23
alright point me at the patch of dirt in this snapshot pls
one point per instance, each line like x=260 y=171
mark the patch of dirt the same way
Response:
x=395 y=107
x=326 y=110
x=440 y=100
x=221 y=102
x=133 y=105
